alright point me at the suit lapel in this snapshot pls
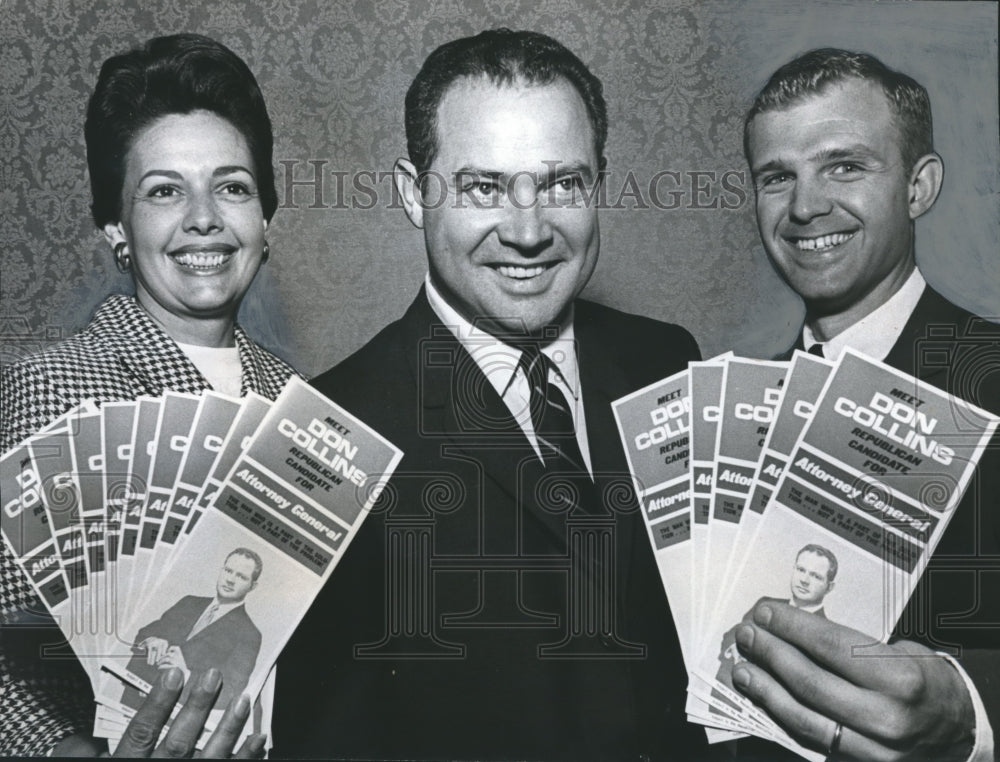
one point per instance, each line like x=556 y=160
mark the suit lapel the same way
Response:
x=933 y=310
x=457 y=403
x=197 y=607
x=252 y=378
x=151 y=357
x=603 y=379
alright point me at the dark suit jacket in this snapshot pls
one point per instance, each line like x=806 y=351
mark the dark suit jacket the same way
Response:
x=956 y=607
x=464 y=622
x=230 y=644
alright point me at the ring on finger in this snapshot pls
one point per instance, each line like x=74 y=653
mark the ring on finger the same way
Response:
x=834 y=746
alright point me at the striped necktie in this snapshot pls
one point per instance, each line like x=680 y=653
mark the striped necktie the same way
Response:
x=206 y=618
x=551 y=415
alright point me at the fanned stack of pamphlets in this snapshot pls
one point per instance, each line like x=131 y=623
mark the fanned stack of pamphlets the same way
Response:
x=188 y=531
x=764 y=480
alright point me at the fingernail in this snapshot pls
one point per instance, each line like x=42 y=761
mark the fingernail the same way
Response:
x=211 y=680
x=744 y=636
x=256 y=743
x=763 y=615
x=174 y=679
x=741 y=678
x=243 y=707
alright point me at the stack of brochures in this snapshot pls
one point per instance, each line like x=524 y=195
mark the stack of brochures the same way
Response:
x=763 y=480
x=195 y=531
x=188 y=531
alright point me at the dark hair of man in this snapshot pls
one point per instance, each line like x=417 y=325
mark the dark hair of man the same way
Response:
x=819 y=550
x=504 y=57
x=171 y=75
x=816 y=71
x=258 y=564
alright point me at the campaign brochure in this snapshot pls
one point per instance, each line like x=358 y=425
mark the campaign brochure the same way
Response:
x=750 y=393
x=26 y=526
x=806 y=376
x=706 y=394
x=214 y=418
x=656 y=423
x=131 y=564
x=170 y=442
x=117 y=423
x=98 y=600
x=252 y=410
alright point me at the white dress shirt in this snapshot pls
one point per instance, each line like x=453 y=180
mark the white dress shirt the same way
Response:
x=500 y=363
x=878 y=331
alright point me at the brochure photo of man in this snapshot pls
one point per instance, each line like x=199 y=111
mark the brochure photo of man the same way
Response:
x=200 y=632
x=813 y=575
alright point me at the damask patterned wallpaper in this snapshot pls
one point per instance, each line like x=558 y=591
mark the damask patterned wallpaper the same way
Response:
x=678 y=75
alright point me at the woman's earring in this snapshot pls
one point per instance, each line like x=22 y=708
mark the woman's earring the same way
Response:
x=267 y=252
x=123 y=260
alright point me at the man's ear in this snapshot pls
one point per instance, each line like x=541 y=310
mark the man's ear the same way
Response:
x=404 y=174
x=114 y=234
x=925 y=183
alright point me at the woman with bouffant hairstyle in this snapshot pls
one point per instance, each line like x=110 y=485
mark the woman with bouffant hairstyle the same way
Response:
x=179 y=149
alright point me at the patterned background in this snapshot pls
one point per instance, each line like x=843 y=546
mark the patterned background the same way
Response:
x=678 y=75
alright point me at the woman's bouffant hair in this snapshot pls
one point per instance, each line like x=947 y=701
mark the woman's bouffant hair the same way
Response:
x=171 y=75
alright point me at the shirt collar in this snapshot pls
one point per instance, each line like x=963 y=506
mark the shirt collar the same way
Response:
x=878 y=331
x=498 y=361
x=809 y=609
x=224 y=608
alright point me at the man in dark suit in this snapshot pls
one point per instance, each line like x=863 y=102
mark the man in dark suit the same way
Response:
x=198 y=633
x=501 y=601
x=841 y=154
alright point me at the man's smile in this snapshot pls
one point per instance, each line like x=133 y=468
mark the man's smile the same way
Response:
x=821 y=243
x=523 y=272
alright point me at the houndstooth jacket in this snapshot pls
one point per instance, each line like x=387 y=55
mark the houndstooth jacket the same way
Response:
x=120 y=355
